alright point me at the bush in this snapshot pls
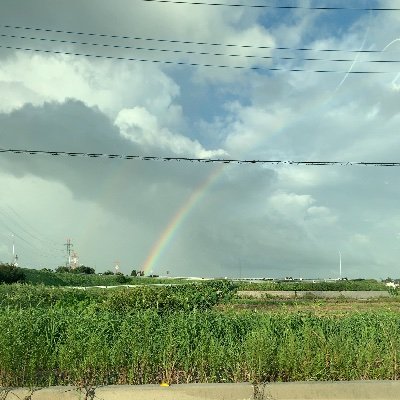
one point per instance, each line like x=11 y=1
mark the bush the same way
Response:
x=83 y=270
x=11 y=274
x=108 y=272
x=62 y=269
x=121 y=278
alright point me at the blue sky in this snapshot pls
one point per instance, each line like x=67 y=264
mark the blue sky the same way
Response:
x=280 y=221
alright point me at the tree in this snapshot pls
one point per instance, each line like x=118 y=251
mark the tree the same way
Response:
x=108 y=272
x=137 y=272
x=82 y=269
x=11 y=274
x=62 y=269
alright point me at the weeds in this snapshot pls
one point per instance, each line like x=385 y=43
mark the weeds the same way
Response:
x=174 y=336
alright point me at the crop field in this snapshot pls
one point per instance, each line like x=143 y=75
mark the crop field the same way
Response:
x=189 y=333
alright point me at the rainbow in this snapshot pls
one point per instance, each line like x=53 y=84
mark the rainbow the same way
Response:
x=169 y=232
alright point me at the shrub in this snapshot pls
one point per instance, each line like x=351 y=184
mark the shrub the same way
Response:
x=62 y=269
x=83 y=270
x=121 y=278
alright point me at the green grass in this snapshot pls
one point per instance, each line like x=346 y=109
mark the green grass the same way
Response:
x=37 y=277
x=194 y=296
x=182 y=334
x=61 y=346
x=367 y=284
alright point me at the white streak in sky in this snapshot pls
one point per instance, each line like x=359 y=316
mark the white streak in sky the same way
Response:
x=356 y=57
x=393 y=41
x=398 y=74
x=352 y=64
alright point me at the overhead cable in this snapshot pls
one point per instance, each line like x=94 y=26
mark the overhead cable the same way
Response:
x=324 y=8
x=177 y=51
x=174 y=41
x=195 y=160
x=242 y=67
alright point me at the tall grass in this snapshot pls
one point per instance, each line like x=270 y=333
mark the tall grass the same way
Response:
x=364 y=285
x=198 y=296
x=66 y=345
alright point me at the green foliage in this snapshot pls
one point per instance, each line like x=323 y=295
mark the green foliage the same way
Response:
x=125 y=300
x=343 y=285
x=61 y=278
x=83 y=270
x=11 y=274
x=108 y=272
x=62 y=345
x=63 y=269
x=121 y=278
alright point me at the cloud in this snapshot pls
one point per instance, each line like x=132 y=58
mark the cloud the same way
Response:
x=106 y=85
x=141 y=127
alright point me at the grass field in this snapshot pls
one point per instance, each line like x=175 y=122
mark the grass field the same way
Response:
x=190 y=333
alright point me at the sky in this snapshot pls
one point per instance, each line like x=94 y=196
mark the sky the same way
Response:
x=201 y=219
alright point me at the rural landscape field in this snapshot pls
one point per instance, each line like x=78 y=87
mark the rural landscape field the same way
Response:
x=212 y=331
x=197 y=195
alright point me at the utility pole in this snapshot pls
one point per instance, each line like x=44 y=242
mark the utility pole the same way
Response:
x=14 y=261
x=340 y=265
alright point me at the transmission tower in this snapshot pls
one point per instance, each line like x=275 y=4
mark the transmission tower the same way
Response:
x=69 y=246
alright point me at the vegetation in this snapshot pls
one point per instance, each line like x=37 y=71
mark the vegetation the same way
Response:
x=164 y=299
x=197 y=332
x=59 y=346
x=61 y=278
x=342 y=285
x=11 y=274
x=317 y=306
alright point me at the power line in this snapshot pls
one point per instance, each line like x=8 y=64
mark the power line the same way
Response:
x=175 y=41
x=176 y=51
x=198 y=3
x=199 y=160
x=242 y=67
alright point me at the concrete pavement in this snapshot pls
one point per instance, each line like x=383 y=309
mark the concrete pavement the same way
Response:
x=357 y=390
x=323 y=294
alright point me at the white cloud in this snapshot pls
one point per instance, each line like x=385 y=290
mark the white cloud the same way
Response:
x=108 y=85
x=140 y=126
x=360 y=239
x=290 y=205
